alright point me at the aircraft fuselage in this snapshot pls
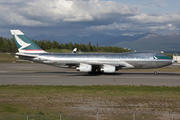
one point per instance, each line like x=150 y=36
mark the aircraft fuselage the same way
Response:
x=136 y=60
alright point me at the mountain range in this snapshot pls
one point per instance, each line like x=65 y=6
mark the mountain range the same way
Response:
x=146 y=41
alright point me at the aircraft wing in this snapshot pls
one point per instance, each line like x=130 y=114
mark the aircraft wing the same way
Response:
x=120 y=64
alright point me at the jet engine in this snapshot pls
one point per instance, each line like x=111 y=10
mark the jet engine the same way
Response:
x=108 y=69
x=84 y=68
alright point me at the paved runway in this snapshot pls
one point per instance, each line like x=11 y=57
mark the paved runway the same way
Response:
x=38 y=74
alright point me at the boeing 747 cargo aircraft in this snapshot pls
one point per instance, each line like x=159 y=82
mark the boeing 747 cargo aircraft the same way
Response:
x=89 y=62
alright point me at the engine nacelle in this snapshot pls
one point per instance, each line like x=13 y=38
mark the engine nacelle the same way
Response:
x=84 y=68
x=108 y=69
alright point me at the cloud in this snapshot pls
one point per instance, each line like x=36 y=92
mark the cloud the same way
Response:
x=83 y=17
x=157 y=22
x=160 y=23
x=156 y=18
x=113 y=26
x=155 y=3
x=12 y=15
x=52 y=12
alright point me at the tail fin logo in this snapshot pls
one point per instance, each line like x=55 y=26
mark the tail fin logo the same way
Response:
x=24 y=44
x=21 y=42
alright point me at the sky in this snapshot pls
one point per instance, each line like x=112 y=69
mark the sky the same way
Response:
x=89 y=17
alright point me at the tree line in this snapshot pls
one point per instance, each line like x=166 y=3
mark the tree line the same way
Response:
x=9 y=45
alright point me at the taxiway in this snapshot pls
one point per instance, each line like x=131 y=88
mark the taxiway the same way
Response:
x=38 y=74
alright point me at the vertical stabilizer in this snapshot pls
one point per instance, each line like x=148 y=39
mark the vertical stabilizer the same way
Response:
x=74 y=51
x=24 y=44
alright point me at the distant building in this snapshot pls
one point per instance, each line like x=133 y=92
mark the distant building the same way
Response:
x=176 y=58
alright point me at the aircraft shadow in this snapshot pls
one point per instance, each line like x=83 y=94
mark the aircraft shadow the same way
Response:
x=109 y=74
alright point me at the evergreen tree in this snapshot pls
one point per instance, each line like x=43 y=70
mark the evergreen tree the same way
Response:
x=94 y=48
x=77 y=46
x=61 y=46
x=89 y=47
x=70 y=46
x=47 y=44
x=83 y=47
x=54 y=44
x=35 y=41
x=13 y=45
x=8 y=45
x=1 y=44
x=66 y=46
x=39 y=43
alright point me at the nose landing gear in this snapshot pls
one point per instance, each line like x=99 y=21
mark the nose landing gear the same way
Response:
x=156 y=72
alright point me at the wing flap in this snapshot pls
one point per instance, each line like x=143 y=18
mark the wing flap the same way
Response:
x=98 y=64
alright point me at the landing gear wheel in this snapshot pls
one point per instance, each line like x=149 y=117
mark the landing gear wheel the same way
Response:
x=156 y=72
x=92 y=72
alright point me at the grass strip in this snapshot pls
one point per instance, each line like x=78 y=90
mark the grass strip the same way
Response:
x=76 y=102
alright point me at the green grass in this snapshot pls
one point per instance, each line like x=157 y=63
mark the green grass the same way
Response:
x=120 y=91
x=7 y=58
x=38 y=89
x=46 y=102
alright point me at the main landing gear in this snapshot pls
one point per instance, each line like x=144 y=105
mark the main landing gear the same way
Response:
x=156 y=72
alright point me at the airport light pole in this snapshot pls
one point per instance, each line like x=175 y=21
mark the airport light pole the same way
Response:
x=97 y=114
x=27 y=115
x=60 y=115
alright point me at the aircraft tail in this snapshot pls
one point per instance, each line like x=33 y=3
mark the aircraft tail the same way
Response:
x=74 y=51
x=24 y=44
